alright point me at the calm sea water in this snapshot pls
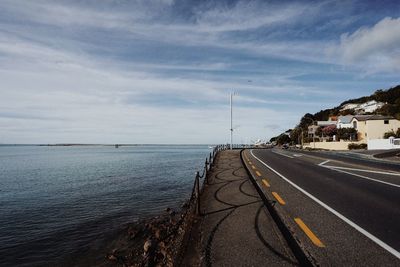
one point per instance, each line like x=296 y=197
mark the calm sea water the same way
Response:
x=57 y=201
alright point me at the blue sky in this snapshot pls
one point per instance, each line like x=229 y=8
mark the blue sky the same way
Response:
x=160 y=71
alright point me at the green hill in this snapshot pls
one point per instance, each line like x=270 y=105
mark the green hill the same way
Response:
x=390 y=96
x=392 y=108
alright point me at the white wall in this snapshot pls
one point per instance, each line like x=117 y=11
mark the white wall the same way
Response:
x=338 y=145
x=344 y=125
x=383 y=143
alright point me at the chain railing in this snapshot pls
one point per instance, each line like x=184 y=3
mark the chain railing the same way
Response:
x=208 y=164
x=192 y=206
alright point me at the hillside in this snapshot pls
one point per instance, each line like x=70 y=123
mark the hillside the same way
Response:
x=390 y=96
x=392 y=108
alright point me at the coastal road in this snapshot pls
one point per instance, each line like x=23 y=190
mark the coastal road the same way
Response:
x=344 y=211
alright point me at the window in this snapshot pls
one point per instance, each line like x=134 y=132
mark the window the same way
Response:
x=386 y=121
x=354 y=124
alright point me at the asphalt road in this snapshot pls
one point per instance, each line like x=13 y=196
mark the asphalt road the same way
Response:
x=350 y=207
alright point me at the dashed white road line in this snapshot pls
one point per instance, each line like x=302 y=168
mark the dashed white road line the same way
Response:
x=322 y=163
x=342 y=170
x=342 y=217
x=282 y=154
x=363 y=170
x=361 y=176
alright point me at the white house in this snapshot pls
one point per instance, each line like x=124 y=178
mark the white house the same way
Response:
x=373 y=126
x=344 y=122
x=325 y=123
x=369 y=107
x=349 y=106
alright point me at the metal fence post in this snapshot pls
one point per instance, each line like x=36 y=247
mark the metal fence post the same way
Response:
x=197 y=193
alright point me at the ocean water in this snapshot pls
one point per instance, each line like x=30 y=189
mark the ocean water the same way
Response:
x=59 y=201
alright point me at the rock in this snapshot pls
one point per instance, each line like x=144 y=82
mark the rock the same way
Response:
x=157 y=233
x=149 y=244
x=164 y=252
x=112 y=257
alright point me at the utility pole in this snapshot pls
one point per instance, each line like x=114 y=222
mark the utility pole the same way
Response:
x=231 y=95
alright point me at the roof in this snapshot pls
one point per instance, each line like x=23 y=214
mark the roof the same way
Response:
x=345 y=119
x=372 y=117
x=325 y=123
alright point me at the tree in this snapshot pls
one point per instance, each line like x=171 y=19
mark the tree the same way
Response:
x=392 y=133
x=283 y=139
x=318 y=132
x=347 y=134
x=329 y=130
x=306 y=120
x=295 y=135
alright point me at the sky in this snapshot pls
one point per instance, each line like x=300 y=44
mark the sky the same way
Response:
x=161 y=71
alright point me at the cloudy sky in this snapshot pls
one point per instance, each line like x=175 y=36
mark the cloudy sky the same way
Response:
x=160 y=71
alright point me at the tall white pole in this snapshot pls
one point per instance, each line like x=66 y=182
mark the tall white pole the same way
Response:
x=231 y=119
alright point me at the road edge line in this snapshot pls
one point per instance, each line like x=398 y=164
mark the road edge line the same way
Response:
x=339 y=215
x=304 y=258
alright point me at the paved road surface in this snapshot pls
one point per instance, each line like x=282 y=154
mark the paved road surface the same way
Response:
x=345 y=212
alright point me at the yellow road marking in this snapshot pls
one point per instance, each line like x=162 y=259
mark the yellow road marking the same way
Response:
x=265 y=182
x=258 y=173
x=309 y=233
x=254 y=167
x=278 y=197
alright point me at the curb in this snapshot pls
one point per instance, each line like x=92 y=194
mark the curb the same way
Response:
x=303 y=257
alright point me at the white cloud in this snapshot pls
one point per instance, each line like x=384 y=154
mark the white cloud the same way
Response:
x=57 y=87
x=375 y=48
x=245 y=15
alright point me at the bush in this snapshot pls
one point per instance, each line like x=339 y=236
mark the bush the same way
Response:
x=392 y=133
x=357 y=146
x=347 y=134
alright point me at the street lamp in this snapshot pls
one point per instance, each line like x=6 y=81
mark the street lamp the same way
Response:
x=231 y=129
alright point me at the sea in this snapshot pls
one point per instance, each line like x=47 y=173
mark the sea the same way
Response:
x=60 y=201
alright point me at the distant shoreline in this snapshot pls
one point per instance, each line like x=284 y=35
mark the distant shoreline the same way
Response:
x=119 y=144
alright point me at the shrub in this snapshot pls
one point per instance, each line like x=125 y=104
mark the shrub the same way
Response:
x=329 y=130
x=392 y=133
x=357 y=146
x=347 y=134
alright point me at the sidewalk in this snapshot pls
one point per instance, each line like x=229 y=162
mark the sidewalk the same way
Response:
x=234 y=228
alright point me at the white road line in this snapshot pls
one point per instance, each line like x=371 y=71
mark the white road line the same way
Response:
x=322 y=163
x=360 y=176
x=282 y=154
x=362 y=170
x=349 y=222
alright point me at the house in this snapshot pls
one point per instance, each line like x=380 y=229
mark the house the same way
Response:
x=333 y=118
x=326 y=123
x=349 y=106
x=369 y=107
x=344 y=121
x=373 y=126
x=312 y=130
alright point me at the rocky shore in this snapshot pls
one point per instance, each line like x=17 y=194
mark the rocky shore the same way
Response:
x=158 y=241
